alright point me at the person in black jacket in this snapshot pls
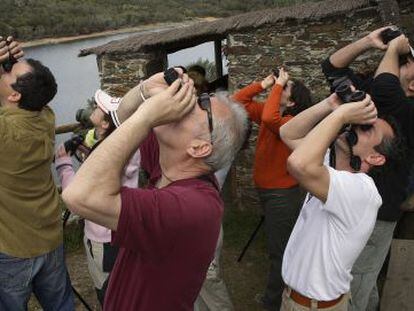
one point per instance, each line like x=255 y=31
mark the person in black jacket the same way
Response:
x=392 y=90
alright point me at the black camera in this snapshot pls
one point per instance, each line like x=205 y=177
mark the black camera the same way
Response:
x=71 y=145
x=389 y=34
x=276 y=72
x=170 y=75
x=8 y=64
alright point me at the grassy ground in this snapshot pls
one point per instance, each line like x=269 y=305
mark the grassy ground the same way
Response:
x=248 y=278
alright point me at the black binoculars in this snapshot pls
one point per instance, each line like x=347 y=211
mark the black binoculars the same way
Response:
x=345 y=93
x=71 y=145
x=389 y=34
x=8 y=64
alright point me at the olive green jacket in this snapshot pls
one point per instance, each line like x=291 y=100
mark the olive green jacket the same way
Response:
x=30 y=223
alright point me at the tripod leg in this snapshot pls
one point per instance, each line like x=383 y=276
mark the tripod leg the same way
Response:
x=252 y=236
x=82 y=300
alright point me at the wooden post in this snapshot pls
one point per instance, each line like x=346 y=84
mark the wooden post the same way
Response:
x=218 y=59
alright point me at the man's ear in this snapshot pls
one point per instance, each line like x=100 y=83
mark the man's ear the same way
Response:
x=14 y=97
x=375 y=159
x=411 y=86
x=199 y=148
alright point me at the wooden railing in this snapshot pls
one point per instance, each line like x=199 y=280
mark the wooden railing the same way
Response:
x=67 y=128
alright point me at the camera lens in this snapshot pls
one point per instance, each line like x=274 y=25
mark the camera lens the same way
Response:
x=79 y=115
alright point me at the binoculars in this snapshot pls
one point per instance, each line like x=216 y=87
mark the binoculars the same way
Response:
x=8 y=64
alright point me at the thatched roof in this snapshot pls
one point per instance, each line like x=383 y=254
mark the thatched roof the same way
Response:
x=208 y=31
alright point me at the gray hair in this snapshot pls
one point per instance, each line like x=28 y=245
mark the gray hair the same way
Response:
x=229 y=133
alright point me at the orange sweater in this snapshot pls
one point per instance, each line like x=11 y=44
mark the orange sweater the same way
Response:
x=270 y=170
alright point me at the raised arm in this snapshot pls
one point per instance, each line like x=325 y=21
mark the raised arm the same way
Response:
x=390 y=61
x=306 y=163
x=246 y=94
x=294 y=131
x=346 y=55
x=144 y=90
x=104 y=166
x=272 y=114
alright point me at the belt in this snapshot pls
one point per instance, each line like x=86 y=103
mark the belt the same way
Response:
x=307 y=302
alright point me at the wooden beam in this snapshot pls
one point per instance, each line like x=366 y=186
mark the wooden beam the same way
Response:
x=218 y=59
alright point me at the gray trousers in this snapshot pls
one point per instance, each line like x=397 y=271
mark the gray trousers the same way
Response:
x=213 y=295
x=281 y=209
x=368 y=265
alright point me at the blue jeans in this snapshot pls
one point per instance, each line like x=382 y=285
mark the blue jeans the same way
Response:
x=46 y=276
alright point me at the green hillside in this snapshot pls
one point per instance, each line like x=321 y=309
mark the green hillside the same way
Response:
x=34 y=19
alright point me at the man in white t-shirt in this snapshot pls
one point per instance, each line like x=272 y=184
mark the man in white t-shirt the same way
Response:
x=339 y=213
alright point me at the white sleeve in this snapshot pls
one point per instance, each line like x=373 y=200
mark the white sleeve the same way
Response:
x=351 y=196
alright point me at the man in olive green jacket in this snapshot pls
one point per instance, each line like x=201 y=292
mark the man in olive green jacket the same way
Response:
x=31 y=247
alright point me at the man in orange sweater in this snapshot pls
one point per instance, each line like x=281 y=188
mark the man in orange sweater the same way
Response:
x=279 y=193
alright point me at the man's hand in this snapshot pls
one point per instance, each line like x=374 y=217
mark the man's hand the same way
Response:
x=268 y=81
x=375 y=39
x=362 y=112
x=400 y=45
x=283 y=77
x=14 y=48
x=169 y=105
x=156 y=83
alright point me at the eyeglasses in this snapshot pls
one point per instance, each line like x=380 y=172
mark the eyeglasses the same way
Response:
x=205 y=104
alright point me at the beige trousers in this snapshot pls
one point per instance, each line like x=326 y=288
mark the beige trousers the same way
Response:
x=288 y=304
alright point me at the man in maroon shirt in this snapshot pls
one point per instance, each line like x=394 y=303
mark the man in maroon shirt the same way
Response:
x=167 y=233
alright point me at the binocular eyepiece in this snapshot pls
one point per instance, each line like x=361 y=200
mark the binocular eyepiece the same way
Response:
x=345 y=93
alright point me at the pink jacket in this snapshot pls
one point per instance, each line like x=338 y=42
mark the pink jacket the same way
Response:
x=64 y=168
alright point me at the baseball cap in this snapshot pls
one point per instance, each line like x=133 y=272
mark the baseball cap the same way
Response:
x=108 y=104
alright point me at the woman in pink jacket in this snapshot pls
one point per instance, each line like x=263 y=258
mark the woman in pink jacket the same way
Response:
x=97 y=240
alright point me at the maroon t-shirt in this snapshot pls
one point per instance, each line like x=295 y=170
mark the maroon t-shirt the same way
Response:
x=167 y=239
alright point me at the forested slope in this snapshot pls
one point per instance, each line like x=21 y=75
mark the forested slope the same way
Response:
x=34 y=19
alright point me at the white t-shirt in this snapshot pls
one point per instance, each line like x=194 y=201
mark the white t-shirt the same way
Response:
x=328 y=238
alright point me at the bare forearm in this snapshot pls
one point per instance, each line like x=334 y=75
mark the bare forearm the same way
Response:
x=130 y=103
x=297 y=128
x=345 y=56
x=313 y=147
x=95 y=190
x=389 y=63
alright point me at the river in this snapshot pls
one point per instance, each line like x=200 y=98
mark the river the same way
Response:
x=78 y=77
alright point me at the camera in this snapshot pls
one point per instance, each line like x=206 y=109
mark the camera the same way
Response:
x=8 y=64
x=83 y=114
x=170 y=75
x=71 y=145
x=389 y=34
x=276 y=72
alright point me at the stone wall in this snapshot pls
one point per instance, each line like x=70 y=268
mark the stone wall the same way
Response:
x=119 y=73
x=301 y=47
